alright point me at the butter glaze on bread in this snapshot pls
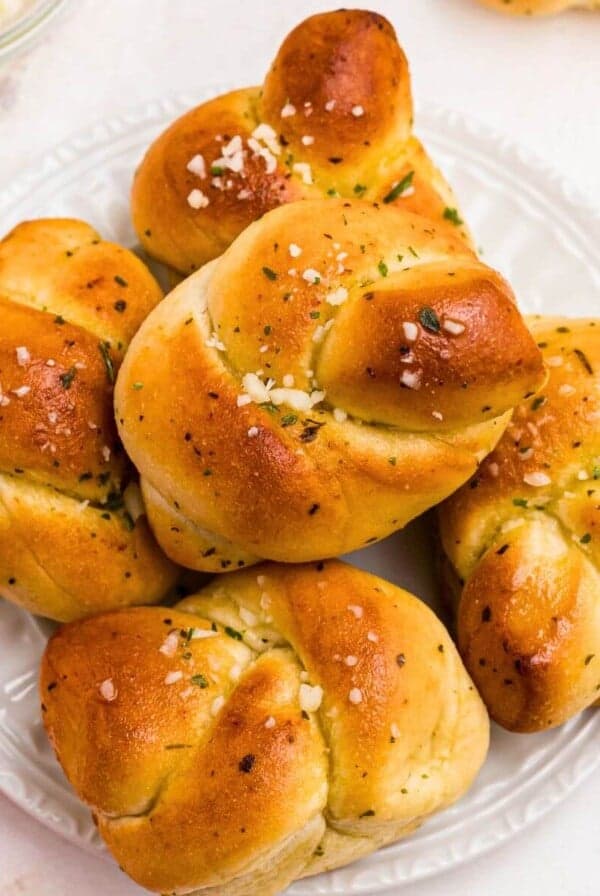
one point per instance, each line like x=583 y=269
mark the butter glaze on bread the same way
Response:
x=282 y=722
x=335 y=117
x=416 y=353
x=69 y=304
x=539 y=7
x=524 y=539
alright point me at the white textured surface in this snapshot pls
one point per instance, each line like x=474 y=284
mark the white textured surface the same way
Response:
x=538 y=82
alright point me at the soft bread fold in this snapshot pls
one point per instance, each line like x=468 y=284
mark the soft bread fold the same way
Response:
x=73 y=539
x=522 y=542
x=283 y=721
x=333 y=118
x=339 y=370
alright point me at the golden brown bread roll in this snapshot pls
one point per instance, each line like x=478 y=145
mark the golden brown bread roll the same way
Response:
x=334 y=117
x=69 y=304
x=523 y=538
x=339 y=370
x=539 y=7
x=282 y=722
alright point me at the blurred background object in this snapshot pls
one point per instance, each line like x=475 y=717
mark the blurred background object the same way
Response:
x=539 y=7
x=22 y=21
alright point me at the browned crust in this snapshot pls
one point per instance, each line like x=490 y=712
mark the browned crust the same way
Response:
x=69 y=304
x=347 y=79
x=527 y=554
x=189 y=793
x=254 y=480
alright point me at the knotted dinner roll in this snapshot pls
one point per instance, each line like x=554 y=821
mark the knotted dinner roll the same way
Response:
x=339 y=370
x=523 y=541
x=282 y=722
x=333 y=118
x=539 y=7
x=71 y=542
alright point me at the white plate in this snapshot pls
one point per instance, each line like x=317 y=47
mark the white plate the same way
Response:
x=545 y=240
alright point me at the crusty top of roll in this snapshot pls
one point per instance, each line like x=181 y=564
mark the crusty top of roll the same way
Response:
x=524 y=539
x=333 y=118
x=387 y=355
x=321 y=689
x=69 y=304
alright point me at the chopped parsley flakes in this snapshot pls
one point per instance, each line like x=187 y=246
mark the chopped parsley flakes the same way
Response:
x=400 y=187
x=67 y=378
x=451 y=214
x=104 y=348
x=429 y=320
